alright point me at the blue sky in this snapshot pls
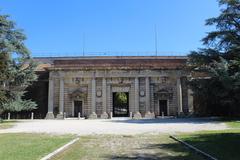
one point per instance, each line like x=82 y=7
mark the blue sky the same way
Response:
x=113 y=27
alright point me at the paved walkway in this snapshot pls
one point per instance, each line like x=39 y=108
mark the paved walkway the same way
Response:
x=114 y=126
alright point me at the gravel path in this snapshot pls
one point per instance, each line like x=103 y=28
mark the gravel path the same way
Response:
x=114 y=126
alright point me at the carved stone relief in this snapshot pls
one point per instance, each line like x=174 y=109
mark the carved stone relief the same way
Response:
x=120 y=89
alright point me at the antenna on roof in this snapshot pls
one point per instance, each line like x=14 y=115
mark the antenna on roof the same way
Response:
x=156 y=44
x=83 y=45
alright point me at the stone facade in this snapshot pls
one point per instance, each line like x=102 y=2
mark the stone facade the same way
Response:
x=150 y=83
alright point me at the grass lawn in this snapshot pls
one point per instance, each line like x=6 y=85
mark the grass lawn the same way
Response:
x=20 y=146
x=7 y=124
x=223 y=145
x=234 y=124
x=127 y=147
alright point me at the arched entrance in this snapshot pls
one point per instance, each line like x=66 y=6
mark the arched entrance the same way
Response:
x=120 y=104
x=163 y=98
x=79 y=96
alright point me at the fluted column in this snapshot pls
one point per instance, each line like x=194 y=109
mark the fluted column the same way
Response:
x=50 y=99
x=147 y=94
x=104 y=114
x=61 y=99
x=93 y=115
x=61 y=96
x=179 y=95
x=137 y=114
x=147 y=100
x=136 y=84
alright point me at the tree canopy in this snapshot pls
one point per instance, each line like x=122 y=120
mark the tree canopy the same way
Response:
x=215 y=69
x=16 y=67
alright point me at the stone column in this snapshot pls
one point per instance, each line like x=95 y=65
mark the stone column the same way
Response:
x=147 y=99
x=137 y=114
x=104 y=114
x=93 y=114
x=190 y=101
x=179 y=96
x=50 y=99
x=61 y=99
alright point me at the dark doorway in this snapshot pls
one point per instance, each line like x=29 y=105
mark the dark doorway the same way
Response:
x=77 y=108
x=120 y=104
x=163 y=107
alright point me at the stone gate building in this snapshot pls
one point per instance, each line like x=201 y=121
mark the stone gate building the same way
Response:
x=90 y=86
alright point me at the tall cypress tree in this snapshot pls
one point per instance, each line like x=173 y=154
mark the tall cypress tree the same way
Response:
x=16 y=68
x=216 y=68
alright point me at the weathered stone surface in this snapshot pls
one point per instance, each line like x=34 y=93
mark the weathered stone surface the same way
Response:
x=93 y=80
x=60 y=116
x=131 y=115
x=149 y=115
x=49 y=115
x=104 y=115
x=137 y=115
x=153 y=115
x=93 y=115
x=123 y=63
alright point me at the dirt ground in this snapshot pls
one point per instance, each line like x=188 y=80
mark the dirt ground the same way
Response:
x=115 y=126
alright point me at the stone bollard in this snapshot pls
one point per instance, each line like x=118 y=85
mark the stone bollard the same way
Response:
x=162 y=114
x=131 y=115
x=111 y=115
x=32 y=116
x=64 y=115
x=9 y=116
x=79 y=115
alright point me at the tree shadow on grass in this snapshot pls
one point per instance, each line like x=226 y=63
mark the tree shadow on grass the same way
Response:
x=168 y=120
x=168 y=151
x=220 y=145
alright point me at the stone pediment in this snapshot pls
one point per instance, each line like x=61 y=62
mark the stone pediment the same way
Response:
x=164 y=93
x=120 y=89
x=79 y=93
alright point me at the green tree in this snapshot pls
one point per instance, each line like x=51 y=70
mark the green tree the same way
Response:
x=216 y=68
x=16 y=68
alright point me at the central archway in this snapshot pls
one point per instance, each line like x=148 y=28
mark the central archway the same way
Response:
x=120 y=104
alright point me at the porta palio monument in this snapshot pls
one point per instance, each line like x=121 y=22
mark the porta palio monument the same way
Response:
x=105 y=87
